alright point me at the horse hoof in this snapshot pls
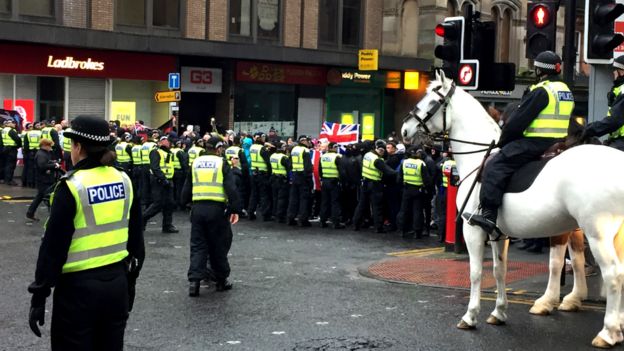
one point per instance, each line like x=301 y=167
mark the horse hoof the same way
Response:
x=601 y=343
x=539 y=310
x=494 y=321
x=564 y=307
x=463 y=325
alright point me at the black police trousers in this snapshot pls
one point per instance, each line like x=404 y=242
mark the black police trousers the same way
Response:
x=211 y=239
x=279 y=187
x=162 y=200
x=441 y=212
x=69 y=165
x=90 y=309
x=10 y=161
x=411 y=213
x=146 y=189
x=371 y=196
x=330 y=200
x=260 y=194
x=299 y=200
x=28 y=173
x=178 y=183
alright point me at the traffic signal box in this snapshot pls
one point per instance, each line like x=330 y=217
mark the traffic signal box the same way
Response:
x=452 y=50
x=541 y=28
x=600 y=38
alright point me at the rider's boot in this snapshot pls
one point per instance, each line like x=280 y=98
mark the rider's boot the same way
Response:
x=486 y=220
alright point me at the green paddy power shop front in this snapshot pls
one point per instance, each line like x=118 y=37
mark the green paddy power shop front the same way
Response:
x=362 y=97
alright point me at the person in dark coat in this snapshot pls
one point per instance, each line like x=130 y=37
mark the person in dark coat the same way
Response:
x=47 y=167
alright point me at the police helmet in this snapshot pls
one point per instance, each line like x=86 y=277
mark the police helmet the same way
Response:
x=618 y=62
x=380 y=144
x=547 y=62
x=127 y=137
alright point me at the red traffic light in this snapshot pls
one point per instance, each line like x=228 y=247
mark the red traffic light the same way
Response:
x=540 y=16
x=439 y=30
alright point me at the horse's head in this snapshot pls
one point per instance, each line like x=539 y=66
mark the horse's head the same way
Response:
x=428 y=115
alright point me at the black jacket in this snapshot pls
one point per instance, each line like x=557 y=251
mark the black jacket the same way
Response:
x=46 y=167
x=157 y=173
x=611 y=123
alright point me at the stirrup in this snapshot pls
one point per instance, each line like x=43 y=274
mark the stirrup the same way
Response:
x=489 y=231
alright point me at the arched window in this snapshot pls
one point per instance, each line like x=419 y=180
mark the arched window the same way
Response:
x=451 y=8
x=496 y=19
x=409 y=40
x=505 y=35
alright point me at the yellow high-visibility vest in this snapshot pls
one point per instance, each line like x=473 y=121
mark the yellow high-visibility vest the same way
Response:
x=620 y=132
x=46 y=133
x=554 y=119
x=146 y=148
x=34 y=137
x=208 y=179
x=296 y=158
x=447 y=168
x=193 y=153
x=368 y=167
x=257 y=162
x=328 y=163
x=412 y=171
x=232 y=151
x=103 y=197
x=67 y=144
x=120 y=150
x=166 y=163
x=176 y=161
x=276 y=164
x=137 y=159
x=6 y=138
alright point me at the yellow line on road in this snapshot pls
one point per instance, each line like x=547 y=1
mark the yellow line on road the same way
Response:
x=417 y=252
x=17 y=201
x=530 y=303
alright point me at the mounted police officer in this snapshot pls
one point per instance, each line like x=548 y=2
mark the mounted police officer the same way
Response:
x=541 y=120
x=92 y=237
x=613 y=124
x=161 y=183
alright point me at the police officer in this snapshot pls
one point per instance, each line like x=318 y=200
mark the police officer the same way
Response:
x=280 y=166
x=123 y=150
x=210 y=186
x=371 y=192
x=92 y=234
x=66 y=146
x=46 y=175
x=260 y=180
x=445 y=170
x=180 y=168
x=146 y=150
x=137 y=163
x=541 y=120
x=330 y=171
x=30 y=145
x=161 y=183
x=613 y=124
x=48 y=132
x=415 y=179
x=195 y=150
x=301 y=188
x=237 y=150
x=11 y=142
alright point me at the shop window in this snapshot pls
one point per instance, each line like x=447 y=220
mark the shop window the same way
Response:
x=5 y=6
x=37 y=8
x=131 y=12
x=167 y=13
x=255 y=20
x=340 y=23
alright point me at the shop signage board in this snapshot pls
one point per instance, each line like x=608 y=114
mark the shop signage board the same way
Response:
x=124 y=112
x=201 y=80
x=368 y=126
x=174 y=81
x=259 y=72
x=168 y=96
x=25 y=107
x=371 y=79
x=368 y=60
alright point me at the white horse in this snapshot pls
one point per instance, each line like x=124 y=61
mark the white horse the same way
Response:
x=581 y=188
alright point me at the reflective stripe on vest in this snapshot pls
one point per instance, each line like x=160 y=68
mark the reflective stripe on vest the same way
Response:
x=554 y=119
x=120 y=150
x=296 y=157
x=67 y=144
x=193 y=153
x=34 y=137
x=412 y=171
x=368 y=167
x=137 y=159
x=620 y=131
x=208 y=179
x=176 y=161
x=103 y=196
x=276 y=164
x=232 y=151
x=328 y=163
x=46 y=133
x=6 y=138
x=447 y=168
x=166 y=163
x=146 y=148
x=257 y=162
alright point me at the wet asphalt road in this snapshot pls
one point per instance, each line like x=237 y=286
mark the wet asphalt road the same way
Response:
x=294 y=289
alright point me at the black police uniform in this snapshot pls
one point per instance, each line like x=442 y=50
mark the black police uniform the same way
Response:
x=46 y=176
x=90 y=307
x=331 y=189
x=611 y=123
x=413 y=201
x=300 y=192
x=179 y=175
x=352 y=171
x=393 y=192
x=10 y=156
x=261 y=188
x=162 y=193
x=280 y=189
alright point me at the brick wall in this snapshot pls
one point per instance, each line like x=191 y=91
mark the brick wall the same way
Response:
x=102 y=12
x=217 y=20
x=195 y=23
x=75 y=13
x=373 y=17
x=292 y=23
x=310 y=24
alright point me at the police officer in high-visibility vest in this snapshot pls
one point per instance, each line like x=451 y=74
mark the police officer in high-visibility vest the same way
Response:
x=236 y=150
x=92 y=249
x=180 y=169
x=445 y=168
x=210 y=187
x=613 y=124
x=30 y=145
x=11 y=141
x=146 y=150
x=137 y=163
x=66 y=146
x=260 y=180
x=541 y=120
x=371 y=191
x=161 y=183
x=330 y=172
x=301 y=186
x=280 y=166
x=48 y=132
x=123 y=150
x=415 y=179
x=195 y=150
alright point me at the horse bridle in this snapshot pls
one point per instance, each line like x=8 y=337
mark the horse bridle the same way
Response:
x=441 y=102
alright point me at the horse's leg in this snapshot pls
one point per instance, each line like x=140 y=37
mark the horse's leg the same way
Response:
x=602 y=247
x=545 y=304
x=475 y=243
x=499 y=257
x=572 y=301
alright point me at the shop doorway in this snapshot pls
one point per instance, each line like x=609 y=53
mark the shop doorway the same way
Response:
x=51 y=92
x=196 y=109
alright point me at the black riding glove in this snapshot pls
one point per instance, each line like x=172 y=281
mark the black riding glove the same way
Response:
x=37 y=314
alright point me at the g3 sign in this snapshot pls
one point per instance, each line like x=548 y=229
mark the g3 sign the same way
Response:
x=201 y=80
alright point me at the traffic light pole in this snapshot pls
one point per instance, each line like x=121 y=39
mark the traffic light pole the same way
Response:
x=600 y=82
x=569 y=49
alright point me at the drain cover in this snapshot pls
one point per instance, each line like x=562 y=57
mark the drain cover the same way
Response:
x=345 y=343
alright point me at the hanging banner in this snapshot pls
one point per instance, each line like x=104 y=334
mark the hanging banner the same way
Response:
x=25 y=107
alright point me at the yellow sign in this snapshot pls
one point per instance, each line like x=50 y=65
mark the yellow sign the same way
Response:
x=368 y=126
x=168 y=96
x=412 y=81
x=124 y=112
x=368 y=60
x=393 y=80
x=346 y=118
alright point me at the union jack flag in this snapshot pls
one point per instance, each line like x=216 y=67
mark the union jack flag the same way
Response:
x=340 y=133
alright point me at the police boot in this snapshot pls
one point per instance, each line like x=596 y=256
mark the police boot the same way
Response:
x=223 y=285
x=486 y=220
x=194 y=288
x=171 y=229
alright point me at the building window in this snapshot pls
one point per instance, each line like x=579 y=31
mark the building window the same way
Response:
x=131 y=13
x=506 y=35
x=255 y=20
x=451 y=9
x=5 y=6
x=340 y=22
x=167 y=13
x=36 y=8
x=157 y=17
